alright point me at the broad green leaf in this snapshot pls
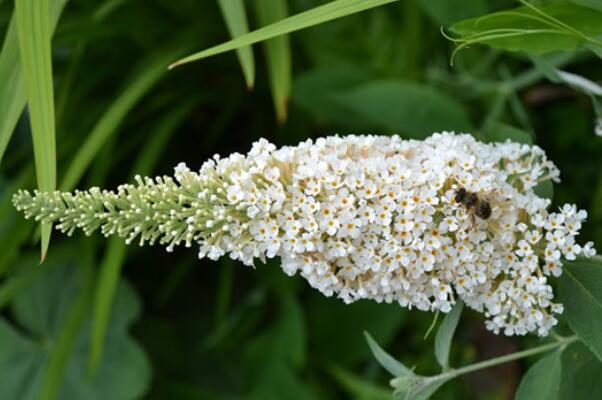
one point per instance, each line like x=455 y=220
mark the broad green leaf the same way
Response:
x=17 y=282
x=315 y=16
x=542 y=381
x=597 y=50
x=358 y=387
x=445 y=334
x=500 y=132
x=47 y=355
x=315 y=91
x=595 y=4
x=66 y=338
x=285 y=340
x=388 y=362
x=581 y=374
x=146 y=75
x=563 y=27
x=235 y=16
x=34 y=33
x=277 y=380
x=581 y=294
x=383 y=321
x=447 y=12
x=13 y=95
x=278 y=54
x=408 y=108
x=114 y=257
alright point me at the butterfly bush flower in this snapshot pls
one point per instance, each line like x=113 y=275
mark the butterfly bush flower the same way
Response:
x=360 y=217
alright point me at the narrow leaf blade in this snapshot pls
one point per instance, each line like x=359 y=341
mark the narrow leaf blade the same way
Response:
x=13 y=94
x=235 y=16
x=278 y=54
x=152 y=70
x=387 y=361
x=34 y=34
x=315 y=16
x=445 y=334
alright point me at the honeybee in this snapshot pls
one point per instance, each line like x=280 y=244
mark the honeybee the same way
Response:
x=481 y=208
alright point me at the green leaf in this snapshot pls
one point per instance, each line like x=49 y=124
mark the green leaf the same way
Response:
x=25 y=275
x=560 y=27
x=13 y=95
x=276 y=380
x=542 y=381
x=285 y=340
x=580 y=375
x=315 y=91
x=417 y=387
x=581 y=294
x=34 y=34
x=110 y=271
x=46 y=357
x=449 y=11
x=13 y=230
x=236 y=20
x=383 y=321
x=545 y=190
x=146 y=75
x=445 y=334
x=595 y=4
x=556 y=75
x=500 y=132
x=360 y=388
x=409 y=108
x=315 y=16
x=388 y=362
x=278 y=54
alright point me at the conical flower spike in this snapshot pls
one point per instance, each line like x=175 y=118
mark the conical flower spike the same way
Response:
x=420 y=223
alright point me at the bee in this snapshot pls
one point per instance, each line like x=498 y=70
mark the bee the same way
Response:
x=481 y=208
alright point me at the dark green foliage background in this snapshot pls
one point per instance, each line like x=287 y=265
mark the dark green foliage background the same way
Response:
x=218 y=330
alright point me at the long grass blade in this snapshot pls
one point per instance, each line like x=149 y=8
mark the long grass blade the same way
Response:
x=235 y=16
x=13 y=96
x=278 y=54
x=34 y=34
x=315 y=16
x=145 y=77
x=112 y=263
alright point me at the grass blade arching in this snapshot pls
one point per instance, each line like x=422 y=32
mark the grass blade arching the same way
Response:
x=236 y=20
x=278 y=54
x=315 y=16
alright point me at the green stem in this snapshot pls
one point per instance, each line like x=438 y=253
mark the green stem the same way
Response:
x=454 y=373
x=509 y=357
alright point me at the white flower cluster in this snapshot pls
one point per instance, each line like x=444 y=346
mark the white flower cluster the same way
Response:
x=363 y=217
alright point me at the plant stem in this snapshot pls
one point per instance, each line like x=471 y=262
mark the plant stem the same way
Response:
x=509 y=357
x=454 y=373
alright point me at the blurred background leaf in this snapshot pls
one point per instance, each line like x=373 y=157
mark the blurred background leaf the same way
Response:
x=44 y=311
x=216 y=329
